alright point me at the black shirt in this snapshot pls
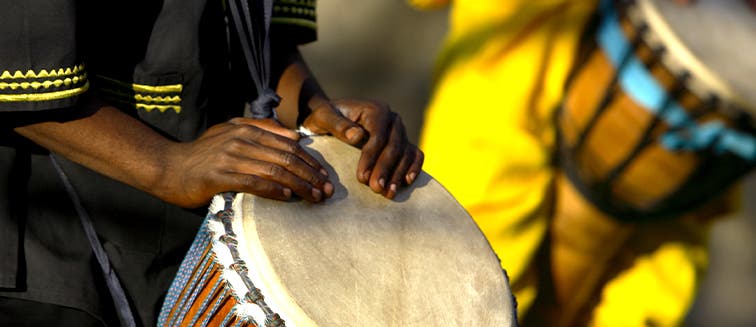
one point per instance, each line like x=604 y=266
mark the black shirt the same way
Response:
x=165 y=62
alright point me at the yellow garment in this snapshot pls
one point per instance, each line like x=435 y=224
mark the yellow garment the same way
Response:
x=488 y=138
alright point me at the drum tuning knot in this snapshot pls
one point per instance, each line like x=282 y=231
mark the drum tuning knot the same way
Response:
x=228 y=239
x=225 y=214
x=254 y=295
x=239 y=266
x=274 y=320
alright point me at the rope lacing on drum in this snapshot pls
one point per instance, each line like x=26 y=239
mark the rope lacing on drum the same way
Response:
x=253 y=295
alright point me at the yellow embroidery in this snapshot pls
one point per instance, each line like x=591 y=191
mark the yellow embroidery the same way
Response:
x=158 y=99
x=310 y=13
x=47 y=96
x=45 y=84
x=30 y=74
x=37 y=83
x=161 y=108
x=309 y=3
x=141 y=96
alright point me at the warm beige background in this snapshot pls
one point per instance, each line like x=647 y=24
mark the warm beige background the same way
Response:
x=385 y=50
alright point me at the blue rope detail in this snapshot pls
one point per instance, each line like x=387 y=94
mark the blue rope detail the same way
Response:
x=205 y=265
x=206 y=302
x=230 y=314
x=187 y=266
x=644 y=89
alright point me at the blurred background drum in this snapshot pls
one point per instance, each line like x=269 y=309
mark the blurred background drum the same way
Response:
x=356 y=260
x=659 y=117
x=657 y=123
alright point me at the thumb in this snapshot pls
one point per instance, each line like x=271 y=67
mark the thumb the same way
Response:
x=331 y=121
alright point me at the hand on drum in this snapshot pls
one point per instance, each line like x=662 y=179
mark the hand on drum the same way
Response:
x=388 y=159
x=260 y=157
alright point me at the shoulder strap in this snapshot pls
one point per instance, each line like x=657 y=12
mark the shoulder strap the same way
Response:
x=252 y=22
x=111 y=279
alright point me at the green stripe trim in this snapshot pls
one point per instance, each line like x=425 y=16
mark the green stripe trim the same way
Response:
x=295 y=21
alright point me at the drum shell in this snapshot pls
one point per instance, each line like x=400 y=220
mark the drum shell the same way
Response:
x=602 y=128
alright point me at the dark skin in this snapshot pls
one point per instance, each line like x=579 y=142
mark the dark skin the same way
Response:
x=260 y=157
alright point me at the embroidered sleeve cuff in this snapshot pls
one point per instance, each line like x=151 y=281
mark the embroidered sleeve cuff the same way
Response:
x=295 y=20
x=33 y=90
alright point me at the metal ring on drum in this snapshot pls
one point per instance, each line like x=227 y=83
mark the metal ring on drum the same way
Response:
x=356 y=260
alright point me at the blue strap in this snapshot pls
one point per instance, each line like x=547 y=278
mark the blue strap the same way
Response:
x=640 y=85
x=111 y=279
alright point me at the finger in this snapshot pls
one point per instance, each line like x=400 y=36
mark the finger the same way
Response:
x=291 y=162
x=331 y=121
x=276 y=141
x=270 y=125
x=277 y=174
x=256 y=185
x=381 y=152
x=400 y=171
x=416 y=167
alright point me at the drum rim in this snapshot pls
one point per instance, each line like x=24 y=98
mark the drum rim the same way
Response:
x=678 y=57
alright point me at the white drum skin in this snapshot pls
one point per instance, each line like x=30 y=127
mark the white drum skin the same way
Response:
x=362 y=260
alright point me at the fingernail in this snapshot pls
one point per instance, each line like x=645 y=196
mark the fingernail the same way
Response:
x=366 y=176
x=328 y=188
x=381 y=182
x=323 y=172
x=392 y=188
x=316 y=194
x=287 y=193
x=411 y=177
x=353 y=134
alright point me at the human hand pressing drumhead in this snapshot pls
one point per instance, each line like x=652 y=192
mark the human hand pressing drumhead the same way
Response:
x=388 y=161
x=260 y=157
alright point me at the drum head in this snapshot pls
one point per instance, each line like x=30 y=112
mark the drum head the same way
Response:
x=713 y=39
x=362 y=260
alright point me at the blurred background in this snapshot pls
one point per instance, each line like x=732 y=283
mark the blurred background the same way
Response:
x=386 y=50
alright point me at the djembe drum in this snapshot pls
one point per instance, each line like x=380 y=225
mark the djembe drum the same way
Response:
x=356 y=260
x=657 y=122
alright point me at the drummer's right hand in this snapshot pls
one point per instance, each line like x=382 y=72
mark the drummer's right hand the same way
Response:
x=243 y=155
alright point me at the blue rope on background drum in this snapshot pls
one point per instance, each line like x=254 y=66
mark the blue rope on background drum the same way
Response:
x=643 y=88
x=724 y=153
x=610 y=92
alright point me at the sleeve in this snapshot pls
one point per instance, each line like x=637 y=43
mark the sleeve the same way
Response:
x=294 y=20
x=429 y=4
x=40 y=68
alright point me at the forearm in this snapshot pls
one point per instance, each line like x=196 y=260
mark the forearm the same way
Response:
x=109 y=142
x=297 y=86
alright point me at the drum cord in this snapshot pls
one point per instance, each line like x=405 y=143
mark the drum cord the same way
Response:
x=117 y=293
x=253 y=34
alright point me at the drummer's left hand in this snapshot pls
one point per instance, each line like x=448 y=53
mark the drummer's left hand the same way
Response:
x=388 y=159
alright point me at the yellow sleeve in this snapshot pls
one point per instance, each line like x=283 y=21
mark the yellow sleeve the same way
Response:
x=487 y=135
x=429 y=4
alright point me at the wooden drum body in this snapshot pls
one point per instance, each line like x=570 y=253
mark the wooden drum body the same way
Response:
x=356 y=260
x=656 y=121
x=655 y=124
